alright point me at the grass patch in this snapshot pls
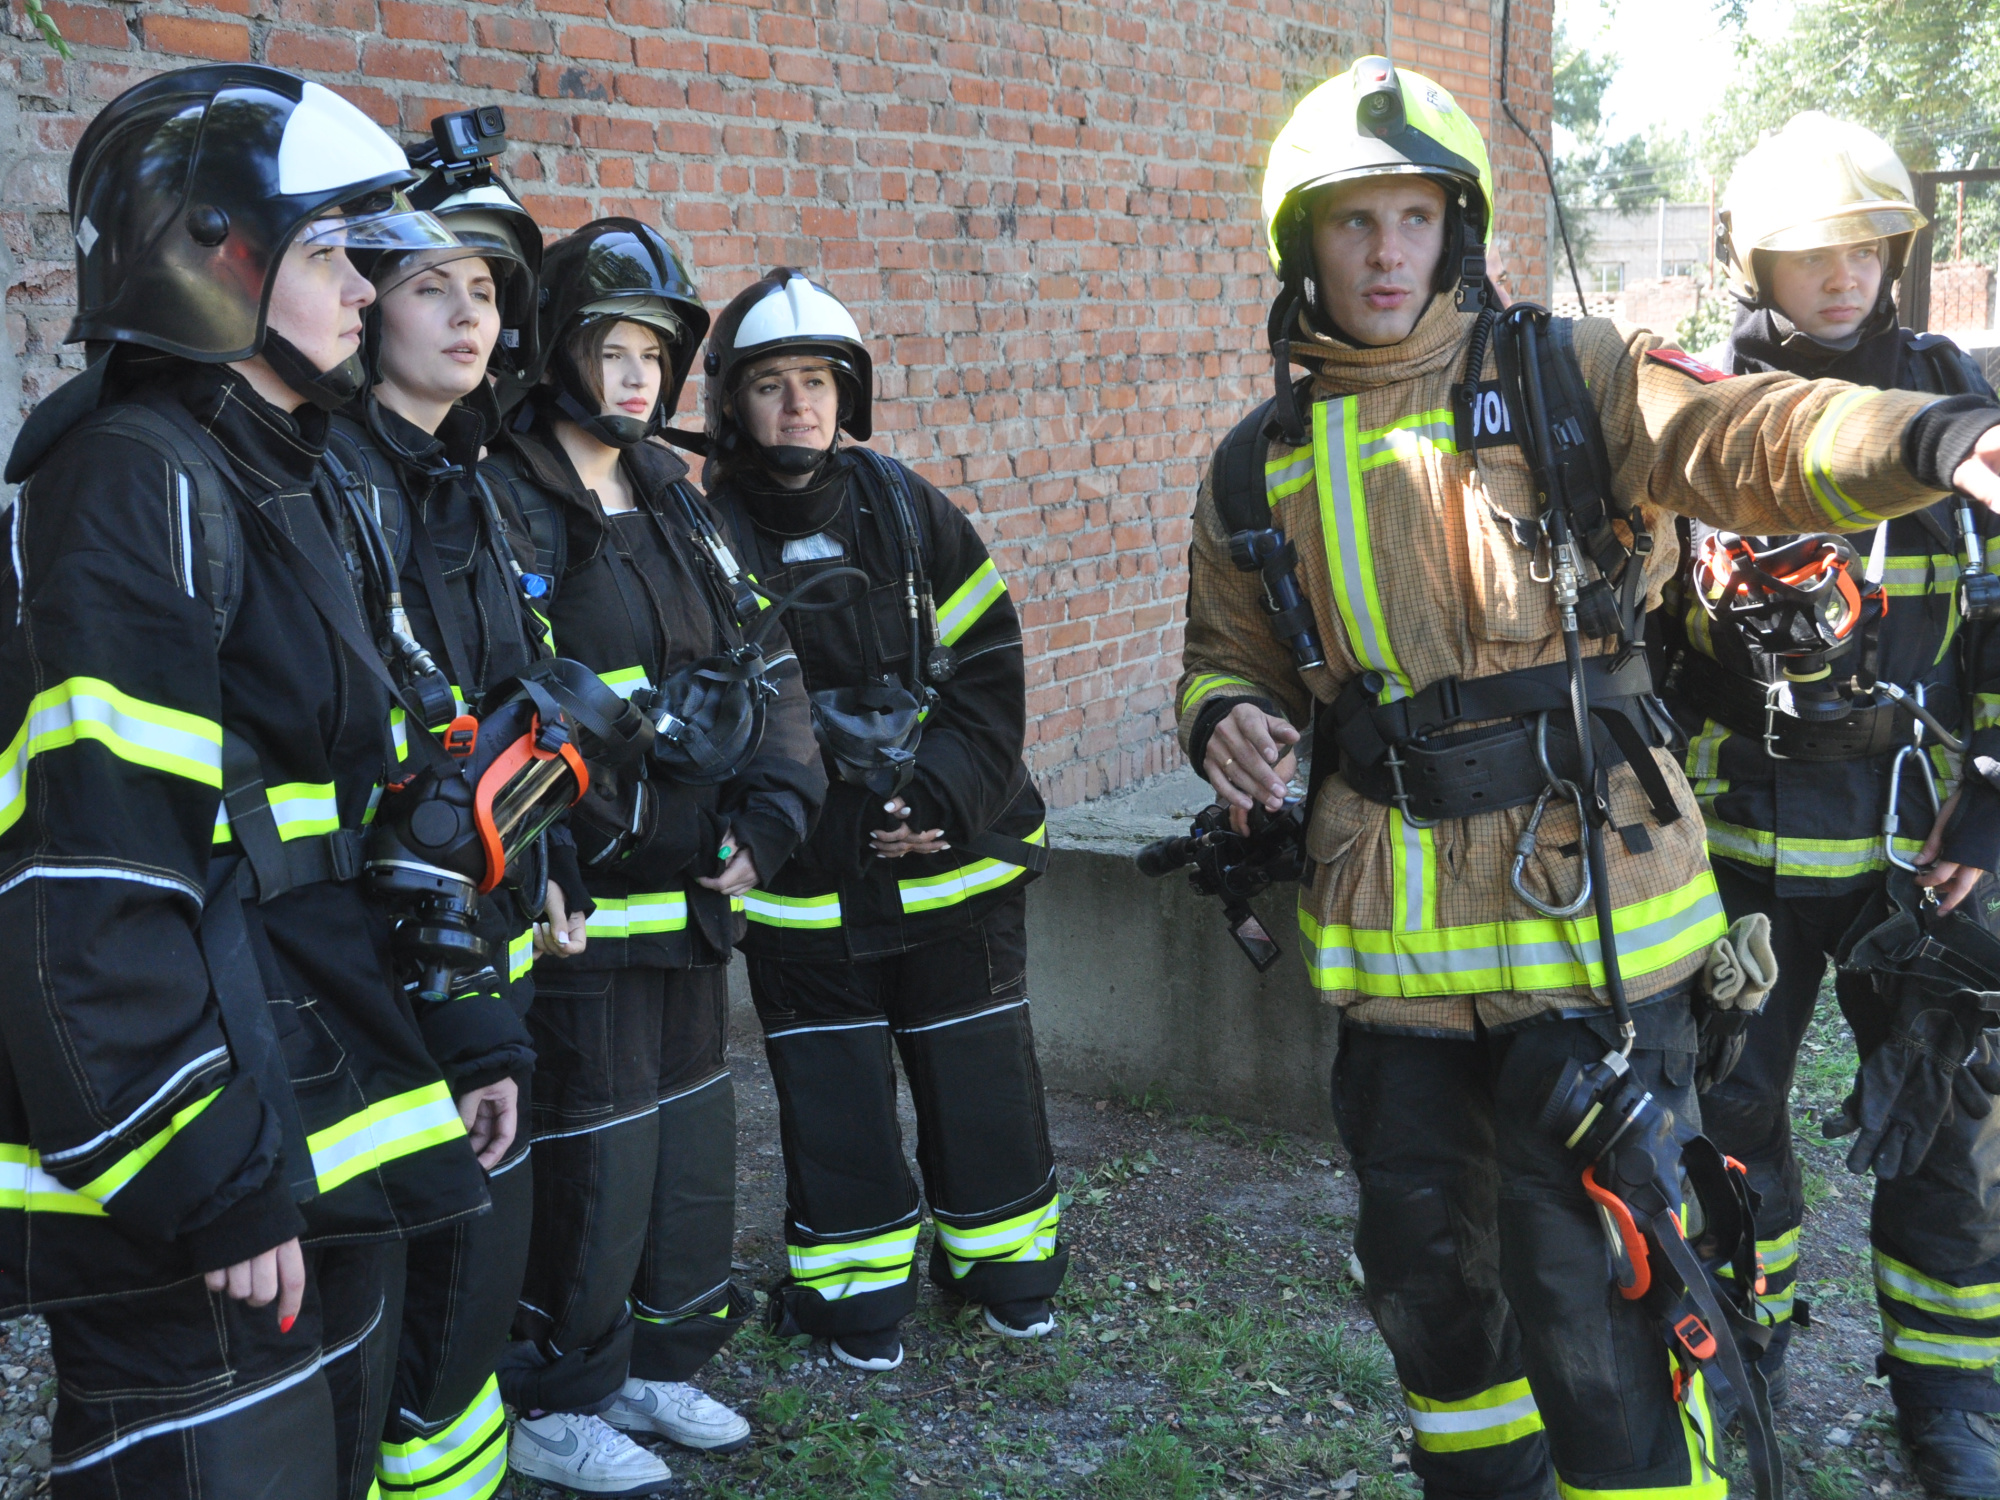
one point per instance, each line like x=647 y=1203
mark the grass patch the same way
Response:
x=1156 y=1466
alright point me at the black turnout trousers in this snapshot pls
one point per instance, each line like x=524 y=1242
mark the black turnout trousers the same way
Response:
x=1934 y=1235
x=957 y=1012
x=446 y=1437
x=188 y=1394
x=1487 y=1271
x=634 y=1128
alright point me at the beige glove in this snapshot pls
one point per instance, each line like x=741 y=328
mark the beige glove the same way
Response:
x=1741 y=967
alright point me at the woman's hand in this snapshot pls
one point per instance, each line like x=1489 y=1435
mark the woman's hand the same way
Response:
x=894 y=843
x=491 y=1116
x=738 y=873
x=1952 y=882
x=559 y=934
x=276 y=1274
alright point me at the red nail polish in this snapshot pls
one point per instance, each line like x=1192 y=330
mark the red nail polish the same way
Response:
x=285 y=1324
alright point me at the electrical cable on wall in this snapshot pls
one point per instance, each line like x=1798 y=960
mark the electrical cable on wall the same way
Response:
x=1562 y=225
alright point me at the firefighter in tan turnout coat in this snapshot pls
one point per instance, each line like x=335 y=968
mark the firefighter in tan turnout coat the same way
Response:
x=1408 y=497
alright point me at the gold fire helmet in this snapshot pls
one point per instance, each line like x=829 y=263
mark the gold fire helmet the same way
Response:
x=1818 y=182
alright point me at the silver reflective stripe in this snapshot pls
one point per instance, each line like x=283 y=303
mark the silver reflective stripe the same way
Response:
x=181 y=1075
x=1478 y=1420
x=991 y=1010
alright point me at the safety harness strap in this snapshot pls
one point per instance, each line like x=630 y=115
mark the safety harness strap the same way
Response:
x=1383 y=756
x=241 y=997
x=1011 y=851
x=1746 y=706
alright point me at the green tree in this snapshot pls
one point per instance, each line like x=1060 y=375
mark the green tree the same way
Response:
x=1915 y=71
x=1599 y=169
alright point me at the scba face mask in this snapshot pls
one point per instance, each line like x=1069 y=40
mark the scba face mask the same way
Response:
x=473 y=816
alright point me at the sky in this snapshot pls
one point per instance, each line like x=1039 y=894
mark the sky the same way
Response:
x=1676 y=58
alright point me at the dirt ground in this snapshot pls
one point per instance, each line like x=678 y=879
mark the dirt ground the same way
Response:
x=1212 y=1341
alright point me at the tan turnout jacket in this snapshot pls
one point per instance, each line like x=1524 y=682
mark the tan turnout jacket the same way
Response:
x=1409 y=574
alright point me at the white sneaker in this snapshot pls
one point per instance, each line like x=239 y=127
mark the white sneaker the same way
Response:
x=675 y=1410
x=583 y=1455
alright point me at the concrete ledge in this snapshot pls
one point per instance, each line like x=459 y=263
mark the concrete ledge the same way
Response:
x=1137 y=982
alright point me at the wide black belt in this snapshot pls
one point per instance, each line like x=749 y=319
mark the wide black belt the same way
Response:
x=1750 y=708
x=1396 y=753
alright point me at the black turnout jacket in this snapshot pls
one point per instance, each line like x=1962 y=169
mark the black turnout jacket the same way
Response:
x=134 y=1151
x=835 y=899
x=633 y=597
x=467 y=610
x=1815 y=827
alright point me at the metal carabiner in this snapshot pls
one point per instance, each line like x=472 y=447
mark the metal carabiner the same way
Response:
x=1524 y=846
x=1892 y=820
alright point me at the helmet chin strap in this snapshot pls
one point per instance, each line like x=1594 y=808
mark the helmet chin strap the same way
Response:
x=577 y=403
x=790 y=462
x=329 y=390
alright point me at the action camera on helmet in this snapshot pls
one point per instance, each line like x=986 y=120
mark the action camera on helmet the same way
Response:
x=471 y=134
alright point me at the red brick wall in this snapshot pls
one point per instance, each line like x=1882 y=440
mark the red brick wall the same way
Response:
x=1044 y=216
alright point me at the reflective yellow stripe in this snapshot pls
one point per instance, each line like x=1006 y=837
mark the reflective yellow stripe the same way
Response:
x=1500 y=1414
x=969 y=601
x=771 y=910
x=1842 y=509
x=931 y=892
x=24 y=1185
x=1704 y=1483
x=1350 y=553
x=851 y=1268
x=1950 y=1351
x=1025 y=1237
x=520 y=955
x=88 y=708
x=1534 y=954
x=382 y=1133
x=106 y=1184
x=1908 y=576
x=1412 y=874
x=637 y=915
x=466 y=1461
x=625 y=681
x=300 y=808
x=1779 y=1254
x=1704 y=757
x=1822 y=859
x=1205 y=683
x=1979 y=1301
x=1406 y=438
x=1287 y=474
x=1985 y=710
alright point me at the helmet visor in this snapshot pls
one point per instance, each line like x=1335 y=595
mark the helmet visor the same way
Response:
x=654 y=312
x=1852 y=228
x=380 y=221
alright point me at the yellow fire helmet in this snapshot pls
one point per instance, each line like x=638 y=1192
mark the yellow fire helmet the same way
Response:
x=1375 y=120
x=1817 y=182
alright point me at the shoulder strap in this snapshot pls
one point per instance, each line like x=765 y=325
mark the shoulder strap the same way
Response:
x=544 y=519
x=1949 y=365
x=210 y=521
x=1236 y=475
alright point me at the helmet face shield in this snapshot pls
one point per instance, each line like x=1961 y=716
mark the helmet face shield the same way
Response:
x=382 y=221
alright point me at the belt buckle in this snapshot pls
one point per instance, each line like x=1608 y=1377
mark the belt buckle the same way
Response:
x=1771 y=711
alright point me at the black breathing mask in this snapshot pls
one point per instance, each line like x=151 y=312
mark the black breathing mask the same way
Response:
x=473 y=815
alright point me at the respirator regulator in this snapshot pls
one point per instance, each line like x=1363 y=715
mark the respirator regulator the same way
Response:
x=473 y=816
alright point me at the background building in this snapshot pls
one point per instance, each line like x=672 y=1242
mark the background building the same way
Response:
x=1044 y=216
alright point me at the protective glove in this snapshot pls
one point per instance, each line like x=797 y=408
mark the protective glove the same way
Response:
x=1937 y=1051
x=1736 y=978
